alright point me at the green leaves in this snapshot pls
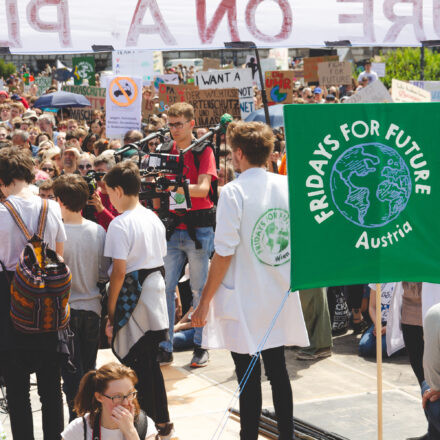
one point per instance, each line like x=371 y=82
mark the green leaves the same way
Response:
x=6 y=69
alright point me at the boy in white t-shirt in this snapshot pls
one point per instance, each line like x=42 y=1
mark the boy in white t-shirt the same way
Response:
x=136 y=242
x=84 y=254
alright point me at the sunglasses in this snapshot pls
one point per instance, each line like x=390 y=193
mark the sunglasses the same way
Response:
x=88 y=167
x=47 y=170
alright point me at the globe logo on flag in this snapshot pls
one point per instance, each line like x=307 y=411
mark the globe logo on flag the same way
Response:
x=370 y=184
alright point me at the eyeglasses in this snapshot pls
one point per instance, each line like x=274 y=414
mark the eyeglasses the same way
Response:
x=88 y=167
x=47 y=170
x=118 y=400
x=153 y=144
x=176 y=125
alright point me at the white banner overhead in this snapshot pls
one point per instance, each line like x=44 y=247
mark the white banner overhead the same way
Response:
x=39 y=26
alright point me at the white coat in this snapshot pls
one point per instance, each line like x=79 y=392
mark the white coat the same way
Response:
x=253 y=226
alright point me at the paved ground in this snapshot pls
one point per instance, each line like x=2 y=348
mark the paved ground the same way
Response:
x=337 y=394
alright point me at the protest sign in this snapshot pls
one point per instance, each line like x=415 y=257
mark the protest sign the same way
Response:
x=404 y=92
x=170 y=78
x=379 y=68
x=374 y=92
x=157 y=62
x=281 y=57
x=234 y=78
x=430 y=86
x=266 y=65
x=43 y=83
x=83 y=69
x=279 y=86
x=311 y=67
x=134 y=63
x=210 y=105
x=332 y=73
x=169 y=94
x=211 y=64
x=123 y=105
x=364 y=181
x=96 y=96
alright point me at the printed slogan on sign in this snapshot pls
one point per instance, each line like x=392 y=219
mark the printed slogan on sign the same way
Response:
x=362 y=182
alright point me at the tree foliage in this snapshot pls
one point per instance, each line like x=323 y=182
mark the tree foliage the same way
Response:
x=6 y=69
x=404 y=64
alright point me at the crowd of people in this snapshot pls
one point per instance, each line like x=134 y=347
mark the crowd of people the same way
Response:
x=182 y=273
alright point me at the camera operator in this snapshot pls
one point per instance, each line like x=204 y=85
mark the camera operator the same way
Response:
x=192 y=235
x=105 y=212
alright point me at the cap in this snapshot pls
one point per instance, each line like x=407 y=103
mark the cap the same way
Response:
x=317 y=90
x=50 y=153
x=330 y=97
x=4 y=93
x=73 y=150
x=29 y=114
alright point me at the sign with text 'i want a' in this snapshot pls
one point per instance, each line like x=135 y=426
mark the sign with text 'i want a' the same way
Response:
x=364 y=188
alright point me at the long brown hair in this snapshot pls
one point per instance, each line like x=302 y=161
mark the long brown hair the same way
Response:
x=96 y=381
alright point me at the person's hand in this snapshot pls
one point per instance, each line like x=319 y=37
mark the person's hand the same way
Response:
x=109 y=331
x=96 y=201
x=178 y=309
x=383 y=331
x=430 y=395
x=198 y=318
x=124 y=419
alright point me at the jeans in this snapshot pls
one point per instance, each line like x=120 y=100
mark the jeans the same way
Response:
x=85 y=326
x=184 y=339
x=367 y=344
x=432 y=413
x=180 y=247
x=17 y=368
x=251 y=400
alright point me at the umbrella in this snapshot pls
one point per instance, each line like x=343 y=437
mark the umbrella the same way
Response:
x=62 y=99
x=275 y=115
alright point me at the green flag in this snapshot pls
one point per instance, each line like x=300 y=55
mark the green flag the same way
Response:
x=83 y=68
x=364 y=185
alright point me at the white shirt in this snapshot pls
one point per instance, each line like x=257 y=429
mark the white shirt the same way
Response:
x=12 y=239
x=75 y=431
x=372 y=76
x=253 y=226
x=138 y=237
x=386 y=291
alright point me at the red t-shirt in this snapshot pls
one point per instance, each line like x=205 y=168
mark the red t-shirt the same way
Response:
x=206 y=166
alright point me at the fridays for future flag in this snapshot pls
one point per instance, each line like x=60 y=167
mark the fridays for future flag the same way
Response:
x=364 y=185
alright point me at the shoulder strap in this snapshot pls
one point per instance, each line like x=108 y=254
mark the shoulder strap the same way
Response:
x=141 y=425
x=17 y=219
x=85 y=427
x=42 y=220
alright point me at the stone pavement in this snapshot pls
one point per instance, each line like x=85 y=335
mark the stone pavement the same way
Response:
x=337 y=394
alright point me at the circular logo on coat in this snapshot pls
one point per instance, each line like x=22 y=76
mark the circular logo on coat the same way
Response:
x=270 y=238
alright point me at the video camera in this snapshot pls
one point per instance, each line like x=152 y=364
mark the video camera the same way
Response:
x=165 y=173
x=92 y=178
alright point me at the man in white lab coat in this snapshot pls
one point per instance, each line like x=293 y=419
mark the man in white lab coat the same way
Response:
x=250 y=276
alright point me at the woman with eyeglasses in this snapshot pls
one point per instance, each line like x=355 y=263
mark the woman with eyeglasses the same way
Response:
x=107 y=407
x=50 y=167
x=85 y=163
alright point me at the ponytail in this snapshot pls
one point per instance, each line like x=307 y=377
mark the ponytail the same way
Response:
x=85 y=401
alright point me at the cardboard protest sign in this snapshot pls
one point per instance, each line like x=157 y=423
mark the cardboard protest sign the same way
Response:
x=210 y=105
x=43 y=83
x=83 y=69
x=279 y=86
x=134 y=63
x=364 y=181
x=123 y=105
x=234 y=78
x=96 y=96
x=404 y=92
x=211 y=64
x=334 y=73
x=374 y=92
x=430 y=86
x=169 y=94
x=311 y=67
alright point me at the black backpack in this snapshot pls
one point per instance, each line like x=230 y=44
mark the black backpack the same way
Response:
x=141 y=426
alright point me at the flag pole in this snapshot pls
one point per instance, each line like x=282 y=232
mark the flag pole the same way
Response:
x=379 y=360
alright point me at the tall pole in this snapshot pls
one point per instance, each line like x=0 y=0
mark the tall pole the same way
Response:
x=263 y=88
x=422 y=62
x=379 y=360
